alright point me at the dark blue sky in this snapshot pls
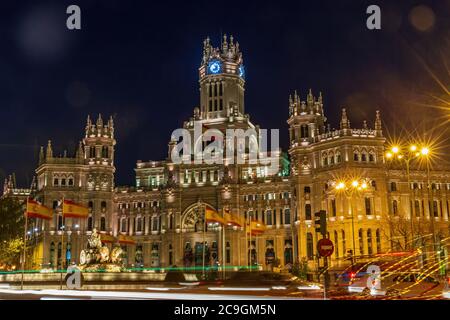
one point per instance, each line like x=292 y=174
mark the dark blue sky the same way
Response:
x=138 y=60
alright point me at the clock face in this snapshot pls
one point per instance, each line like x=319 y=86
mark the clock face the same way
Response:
x=241 y=71
x=214 y=67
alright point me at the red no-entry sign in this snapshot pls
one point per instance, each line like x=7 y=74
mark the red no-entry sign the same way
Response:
x=325 y=247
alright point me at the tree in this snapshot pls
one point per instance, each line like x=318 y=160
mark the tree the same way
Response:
x=397 y=230
x=11 y=231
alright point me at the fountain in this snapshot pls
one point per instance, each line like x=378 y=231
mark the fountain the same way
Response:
x=97 y=257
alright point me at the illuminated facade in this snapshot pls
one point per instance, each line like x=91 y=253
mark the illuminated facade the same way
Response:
x=163 y=212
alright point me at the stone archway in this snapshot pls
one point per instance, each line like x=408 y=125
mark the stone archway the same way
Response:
x=198 y=239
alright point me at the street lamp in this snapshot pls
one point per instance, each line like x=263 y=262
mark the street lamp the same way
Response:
x=349 y=188
x=406 y=154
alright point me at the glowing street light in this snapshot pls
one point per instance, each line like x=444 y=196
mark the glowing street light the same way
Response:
x=395 y=149
x=425 y=151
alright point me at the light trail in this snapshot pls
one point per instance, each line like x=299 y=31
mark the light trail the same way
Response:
x=65 y=294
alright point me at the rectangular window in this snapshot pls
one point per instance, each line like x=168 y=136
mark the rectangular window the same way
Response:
x=333 y=207
x=368 y=206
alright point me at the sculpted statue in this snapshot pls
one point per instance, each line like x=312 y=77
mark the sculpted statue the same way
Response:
x=116 y=255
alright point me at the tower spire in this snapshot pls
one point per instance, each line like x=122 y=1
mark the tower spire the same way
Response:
x=49 y=152
x=41 y=155
x=345 y=123
x=378 y=127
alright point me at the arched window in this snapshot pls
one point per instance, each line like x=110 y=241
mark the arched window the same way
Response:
x=435 y=209
x=307 y=211
x=417 y=208
x=338 y=157
x=91 y=206
x=105 y=152
x=369 y=242
x=288 y=256
x=287 y=216
x=331 y=158
x=123 y=225
x=324 y=159
x=102 y=224
x=89 y=224
x=154 y=223
x=378 y=240
x=309 y=246
x=139 y=224
x=371 y=157
x=92 y=152
x=364 y=157
x=355 y=156
x=394 y=207
x=333 y=207
x=103 y=206
x=393 y=186
x=368 y=206
x=304 y=131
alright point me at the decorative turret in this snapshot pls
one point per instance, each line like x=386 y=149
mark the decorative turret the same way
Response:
x=345 y=123
x=98 y=129
x=306 y=118
x=49 y=151
x=80 y=152
x=98 y=142
x=222 y=79
x=311 y=106
x=378 y=127
x=41 y=155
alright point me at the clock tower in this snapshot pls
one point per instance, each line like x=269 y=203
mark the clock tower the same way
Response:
x=222 y=79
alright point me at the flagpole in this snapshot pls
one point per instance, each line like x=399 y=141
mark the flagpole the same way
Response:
x=246 y=238
x=251 y=250
x=62 y=244
x=24 y=245
x=203 y=246
x=223 y=245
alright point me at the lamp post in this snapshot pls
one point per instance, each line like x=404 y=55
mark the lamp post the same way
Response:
x=425 y=153
x=397 y=153
x=350 y=188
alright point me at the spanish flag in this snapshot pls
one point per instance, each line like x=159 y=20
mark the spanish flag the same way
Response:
x=37 y=210
x=256 y=227
x=233 y=220
x=124 y=239
x=74 y=210
x=213 y=216
x=107 y=238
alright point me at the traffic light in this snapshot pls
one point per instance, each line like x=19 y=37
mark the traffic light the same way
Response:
x=320 y=221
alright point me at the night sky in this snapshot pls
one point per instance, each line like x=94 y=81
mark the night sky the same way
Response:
x=138 y=61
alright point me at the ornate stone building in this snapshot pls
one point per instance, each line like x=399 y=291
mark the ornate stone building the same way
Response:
x=164 y=211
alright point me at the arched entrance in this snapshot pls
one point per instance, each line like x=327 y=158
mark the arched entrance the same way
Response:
x=200 y=239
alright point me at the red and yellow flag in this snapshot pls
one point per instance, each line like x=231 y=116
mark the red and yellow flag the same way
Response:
x=74 y=210
x=256 y=227
x=37 y=210
x=124 y=239
x=213 y=216
x=107 y=238
x=233 y=219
